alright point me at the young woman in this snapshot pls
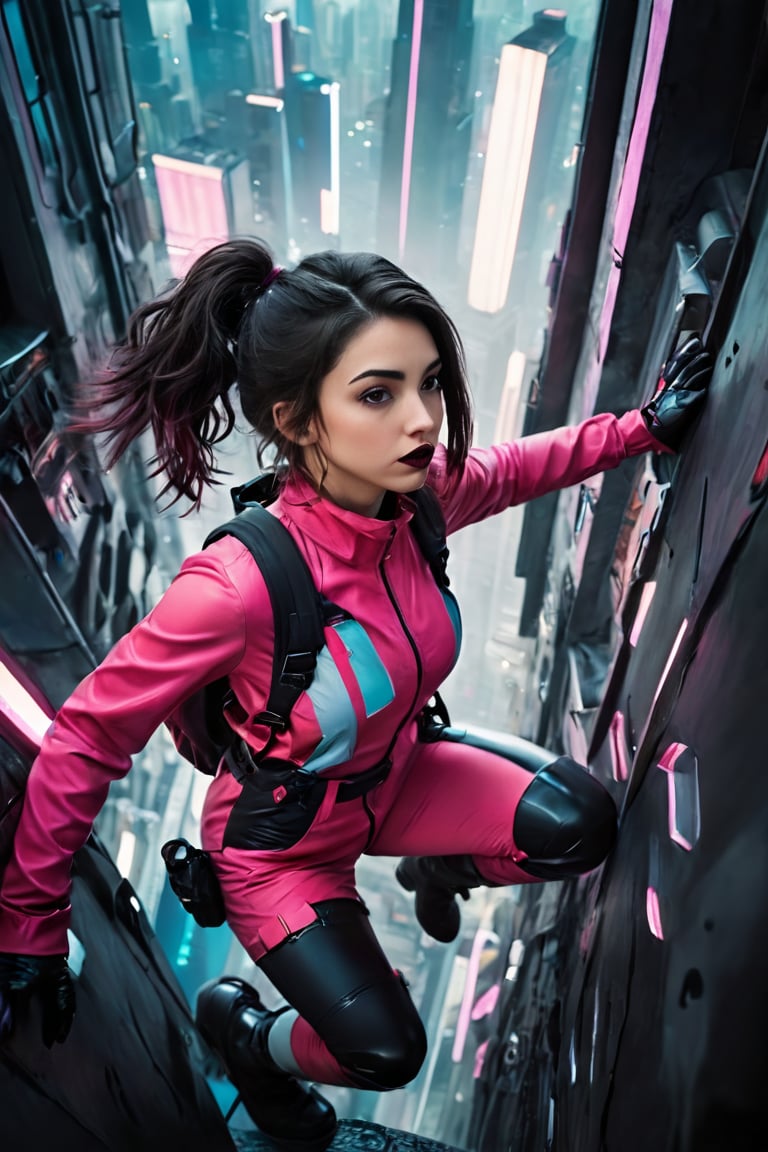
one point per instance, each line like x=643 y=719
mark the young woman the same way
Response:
x=347 y=368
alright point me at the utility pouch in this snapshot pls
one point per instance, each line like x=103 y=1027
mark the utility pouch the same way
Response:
x=194 y=881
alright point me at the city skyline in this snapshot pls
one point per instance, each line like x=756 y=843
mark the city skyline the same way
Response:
x=409 y=139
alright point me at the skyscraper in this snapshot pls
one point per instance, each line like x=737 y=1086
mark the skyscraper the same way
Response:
x=426 y=135
x=313 y=125
x=525 y=149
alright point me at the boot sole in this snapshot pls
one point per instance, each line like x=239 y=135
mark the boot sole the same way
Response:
x=284 y=1143
x=291 y=1143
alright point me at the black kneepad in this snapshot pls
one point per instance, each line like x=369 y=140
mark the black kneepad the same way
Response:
x=336 y=976
x=395 y=1057
x=565 y=822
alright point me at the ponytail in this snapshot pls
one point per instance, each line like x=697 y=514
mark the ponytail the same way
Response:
x=236 y=317
x=173 y=371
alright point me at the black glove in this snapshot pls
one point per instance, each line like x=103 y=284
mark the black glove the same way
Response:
x=48 y=978
x=681 y=393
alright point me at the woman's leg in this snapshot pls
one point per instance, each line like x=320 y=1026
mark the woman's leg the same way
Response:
x=233 y=1020
x=457 y=798
x=351 y=1022
x=295 y=909
x=355 y=1022
x=465 y=814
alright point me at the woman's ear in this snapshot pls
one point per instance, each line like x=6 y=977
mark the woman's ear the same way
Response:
x=281 y=414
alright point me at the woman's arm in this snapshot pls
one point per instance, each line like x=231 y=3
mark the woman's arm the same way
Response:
x=196 y=633
x=513 y=473
x=519 y=471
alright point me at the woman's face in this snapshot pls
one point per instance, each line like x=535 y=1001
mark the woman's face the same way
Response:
x=381 y=409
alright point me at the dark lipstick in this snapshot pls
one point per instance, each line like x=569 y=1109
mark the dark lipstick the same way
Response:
x=419 y=458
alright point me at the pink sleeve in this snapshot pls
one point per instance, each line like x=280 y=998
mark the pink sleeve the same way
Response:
x=196 y=633
x=506 y=474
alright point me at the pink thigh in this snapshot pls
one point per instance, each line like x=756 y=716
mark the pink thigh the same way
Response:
x=269 y=894
x=453 y=799
x=440 y=799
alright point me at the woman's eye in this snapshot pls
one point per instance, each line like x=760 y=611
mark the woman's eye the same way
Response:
x=375 y=396
x=432 y=384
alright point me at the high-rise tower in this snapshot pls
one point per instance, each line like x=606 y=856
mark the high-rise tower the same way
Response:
x=426 y=135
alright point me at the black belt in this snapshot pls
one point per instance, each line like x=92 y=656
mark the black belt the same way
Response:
x=359 y=785
x=271 y=774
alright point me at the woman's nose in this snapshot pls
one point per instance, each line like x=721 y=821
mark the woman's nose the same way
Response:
x=420 y=416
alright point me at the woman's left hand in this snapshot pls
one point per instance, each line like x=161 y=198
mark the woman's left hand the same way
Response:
x=681 y=392
x=46 y=977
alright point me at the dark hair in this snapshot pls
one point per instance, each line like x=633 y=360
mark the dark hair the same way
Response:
x=222 y=324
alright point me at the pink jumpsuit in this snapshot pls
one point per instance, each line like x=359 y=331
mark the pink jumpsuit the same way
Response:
x=374 y=676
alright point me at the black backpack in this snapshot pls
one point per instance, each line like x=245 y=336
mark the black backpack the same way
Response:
x=200 y=730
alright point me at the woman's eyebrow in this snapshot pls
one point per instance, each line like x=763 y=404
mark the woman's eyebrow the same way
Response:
x=391 y=373
x=382 y=373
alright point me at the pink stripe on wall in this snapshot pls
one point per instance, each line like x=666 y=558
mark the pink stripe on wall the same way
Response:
x=653 y=913
x=481 y=940
x=667 y=763
x=410 y=121
x=646 y=597
x=618 y=746
x=277 y=55
x=657 y=39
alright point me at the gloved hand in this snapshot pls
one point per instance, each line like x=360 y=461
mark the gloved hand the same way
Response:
x=682 y=388
x=48 y=978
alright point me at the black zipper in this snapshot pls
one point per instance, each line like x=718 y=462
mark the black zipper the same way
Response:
x=408 y=637
x=419 y=671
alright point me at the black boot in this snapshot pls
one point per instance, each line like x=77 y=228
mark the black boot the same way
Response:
x=437 y=881
x=233 y=1020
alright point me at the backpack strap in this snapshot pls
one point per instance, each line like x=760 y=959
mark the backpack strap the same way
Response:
x=263 y=489
x=428 y=526
x=297 y=611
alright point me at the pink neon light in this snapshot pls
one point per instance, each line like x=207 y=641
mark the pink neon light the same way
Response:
x=486 y=1003
x=653 y=912
x=193 y=205
x=619 y=763
x=761 y=472
x=259 y=101
x=277 y=54
x=26 y=716
x=642 y=611
x=477 y=1069
x=671 y=756
x=670 y=660
x=667 y=764
x=410 y=121
x=482 y=938
x=657 y=39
